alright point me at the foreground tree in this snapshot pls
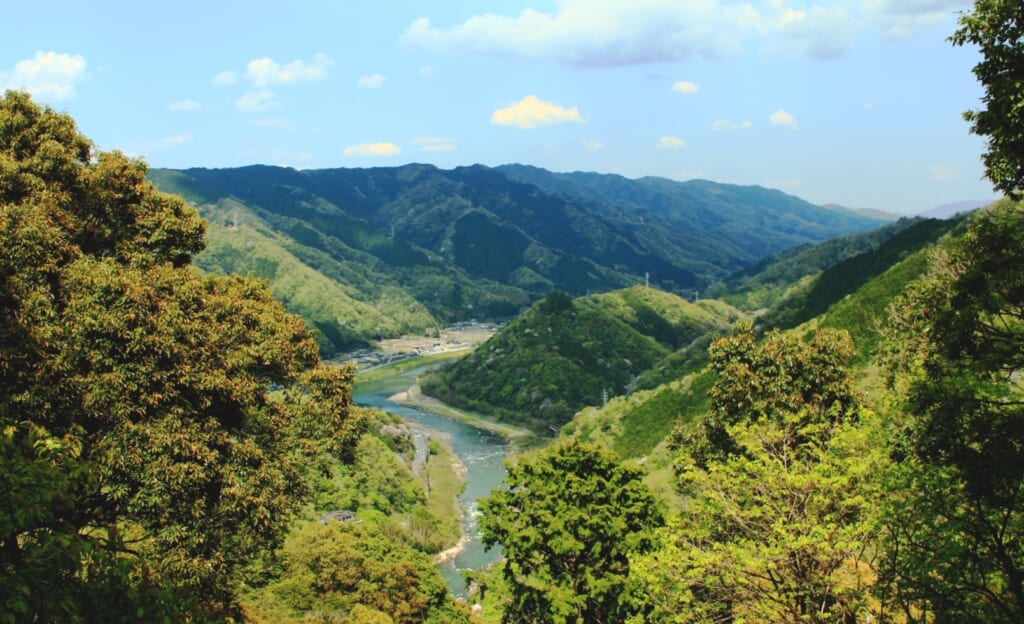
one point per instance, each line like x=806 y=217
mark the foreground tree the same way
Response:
x=955 y=546
x=142 y=458
x=568 y=524
x=777 y=527
x=997 y=28
x=339 y=571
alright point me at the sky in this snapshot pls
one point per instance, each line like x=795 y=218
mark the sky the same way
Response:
x=853 y=102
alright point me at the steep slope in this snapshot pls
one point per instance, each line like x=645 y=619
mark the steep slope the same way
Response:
x=762 y=285
x=816 y=296
x=636 y=424
x=731 y=225
x=337 y=302
x=563 y=354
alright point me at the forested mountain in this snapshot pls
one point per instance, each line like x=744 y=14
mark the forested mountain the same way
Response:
x=563 y=354
x=636 y=424
x=406 y=248
x=762 y=285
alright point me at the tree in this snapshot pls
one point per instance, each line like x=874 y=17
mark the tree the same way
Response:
x=956 y=349
x=777 y=527
x=997 y=28
x=568 y=524
x=342 y=571
x=768 y=382
x=143 y=458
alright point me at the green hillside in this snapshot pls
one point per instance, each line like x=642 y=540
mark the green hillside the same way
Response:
x=817 y=295
x=763 y=284
x=564 y=354
x=674 y=391
x=341 y=315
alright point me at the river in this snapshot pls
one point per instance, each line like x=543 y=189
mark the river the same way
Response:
x=482 y=453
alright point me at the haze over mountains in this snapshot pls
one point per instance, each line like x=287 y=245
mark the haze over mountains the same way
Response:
x=362 y=253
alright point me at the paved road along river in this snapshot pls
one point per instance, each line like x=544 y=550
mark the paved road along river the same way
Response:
x=482 y=453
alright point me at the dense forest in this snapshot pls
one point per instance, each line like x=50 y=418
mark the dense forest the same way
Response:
x=838 y=438
x=170 y=438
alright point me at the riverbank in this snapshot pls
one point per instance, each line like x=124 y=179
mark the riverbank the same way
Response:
x=518 y=437
x=479 y=448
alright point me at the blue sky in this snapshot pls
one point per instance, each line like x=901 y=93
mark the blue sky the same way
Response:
x=856 y=102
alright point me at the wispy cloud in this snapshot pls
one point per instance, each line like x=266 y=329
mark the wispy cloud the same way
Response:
x=783 y=119
x=157 y=145
x=613 y=32
x=185 y=105
x=593 y=145
x=670 y=142
x=257 y=101
x=900 y=19
x=821 y=32
x=225 y=78
x=685 y=86
x=724 y=125
x=532 y=112
x=48 y=76
x=272 y=122
x=382 y=148
x=371 y=81
x=434 y=144
x=944 y=173
x=265 y=72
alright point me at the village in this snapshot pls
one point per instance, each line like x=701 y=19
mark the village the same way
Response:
x=459 y=337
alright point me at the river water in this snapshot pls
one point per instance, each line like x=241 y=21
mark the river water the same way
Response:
x=482 y=453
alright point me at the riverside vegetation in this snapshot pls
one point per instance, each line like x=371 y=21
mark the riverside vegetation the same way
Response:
x=171 y=439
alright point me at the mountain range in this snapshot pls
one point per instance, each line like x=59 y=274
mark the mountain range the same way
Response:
x=368 y=253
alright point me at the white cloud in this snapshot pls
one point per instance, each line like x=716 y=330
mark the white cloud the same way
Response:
x=257 y=101
x=614 y=32
x=598 y=32
x=685 y=86
x=225 y=78
x=264 y=72
x=822 y=33
x=434 y=144
x=944 y=173
x=593 y=145
x=783 y=119
x=185 y=105
x=428 y=71
x=724 y=125
x=670 y=142
x=371 y=81
x=900 y=19
x=372 y=149
x=48 y=76
x=532 y=112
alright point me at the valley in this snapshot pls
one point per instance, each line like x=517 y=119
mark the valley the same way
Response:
x=449 y=393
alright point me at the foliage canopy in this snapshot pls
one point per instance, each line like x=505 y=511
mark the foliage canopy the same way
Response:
x=997 y=28
x=143 y=459
x=568 y=523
